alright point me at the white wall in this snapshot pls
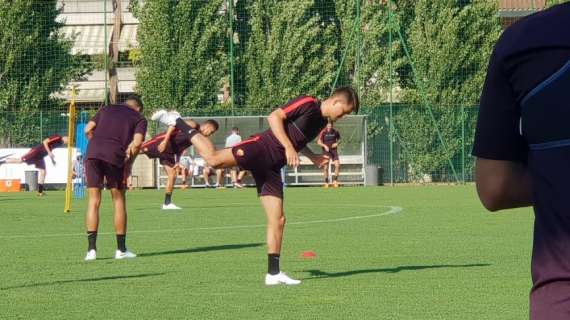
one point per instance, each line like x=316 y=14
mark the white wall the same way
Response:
x=55 y=174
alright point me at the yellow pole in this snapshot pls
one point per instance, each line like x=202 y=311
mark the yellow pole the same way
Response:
x=70 y=148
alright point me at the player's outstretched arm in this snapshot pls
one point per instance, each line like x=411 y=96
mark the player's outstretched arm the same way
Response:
x=503 y=184
x=45 y=143
x=277 y=124
x=134 y=147
x=320 y=142
x=167 y=135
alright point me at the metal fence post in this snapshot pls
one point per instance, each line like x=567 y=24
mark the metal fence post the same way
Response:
x=463 y=118
x=232 y=63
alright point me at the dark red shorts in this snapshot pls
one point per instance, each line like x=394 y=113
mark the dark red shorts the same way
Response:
x=97 y=172
x=165 y=159
x=332 y=154
x=33 y=158
x=264 y=162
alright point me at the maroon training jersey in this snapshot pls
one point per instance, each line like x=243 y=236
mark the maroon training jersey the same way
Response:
x=329 y=137
x=177 y=143
x=303 y=124
x=39 y=152
x=115 y=127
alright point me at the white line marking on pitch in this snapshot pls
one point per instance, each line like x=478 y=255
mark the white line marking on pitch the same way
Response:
x=393 y=210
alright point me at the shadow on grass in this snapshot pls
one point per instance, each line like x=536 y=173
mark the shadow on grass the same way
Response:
x=58 y=282
x=317 y=274
x=203 y=249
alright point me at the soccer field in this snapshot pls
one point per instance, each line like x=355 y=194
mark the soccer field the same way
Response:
x=441 y=257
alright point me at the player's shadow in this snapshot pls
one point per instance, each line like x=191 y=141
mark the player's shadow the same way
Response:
x=203 y=249
x=58 y=282
x=318 y=274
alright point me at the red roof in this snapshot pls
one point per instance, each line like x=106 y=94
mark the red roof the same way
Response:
x=521 y=5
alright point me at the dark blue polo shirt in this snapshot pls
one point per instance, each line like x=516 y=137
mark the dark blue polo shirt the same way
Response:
x=525 y=117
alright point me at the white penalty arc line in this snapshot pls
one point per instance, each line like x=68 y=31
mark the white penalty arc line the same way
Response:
x=393 y=210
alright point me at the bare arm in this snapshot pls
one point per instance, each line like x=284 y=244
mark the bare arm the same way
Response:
x=45 y=143
x=503 y=184
x=89 y=129
x=164 y=142
x=335 y=145
x=277 y=124
x=134 y=148
x=320 y=142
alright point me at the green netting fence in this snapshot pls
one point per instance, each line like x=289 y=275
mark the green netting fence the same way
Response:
x=418 y=65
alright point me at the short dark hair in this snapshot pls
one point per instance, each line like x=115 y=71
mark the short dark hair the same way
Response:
x=235 y=129
x=213 y=123
x=136 y=98
x=350 y=94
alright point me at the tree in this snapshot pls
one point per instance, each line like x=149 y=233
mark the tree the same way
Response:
x=35 y=62
x=450 y=45
x=182 y=53
x=291 y=51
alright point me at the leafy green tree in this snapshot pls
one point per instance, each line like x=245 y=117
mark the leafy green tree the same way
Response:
x=35 y=63
x=291 y=51
x=450 y=45
x=183 y=54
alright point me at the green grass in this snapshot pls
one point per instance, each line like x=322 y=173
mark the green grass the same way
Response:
x=442 y=257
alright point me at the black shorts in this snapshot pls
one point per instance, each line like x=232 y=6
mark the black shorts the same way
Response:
x=98 y=171
x=332 y=154
x=264 y=162
x=165 y=159
x=33 y=158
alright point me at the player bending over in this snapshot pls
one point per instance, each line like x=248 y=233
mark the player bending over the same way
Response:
x=35 y=157
x=115 y=135
x=292 y=127
x=168 y=147
x=329 y=140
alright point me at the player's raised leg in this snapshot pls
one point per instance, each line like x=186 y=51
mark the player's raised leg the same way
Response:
x=218 y=159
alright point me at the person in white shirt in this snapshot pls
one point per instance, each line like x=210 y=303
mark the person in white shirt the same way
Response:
x=233 y=139
x=186 y=168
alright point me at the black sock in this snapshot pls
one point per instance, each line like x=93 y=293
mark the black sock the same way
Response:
x=167 y=198
x=40 y=188
x=273 y=263
x=92 y=240
x=326 y=180
x=121 y=238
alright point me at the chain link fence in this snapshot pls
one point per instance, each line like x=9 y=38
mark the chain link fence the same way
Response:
x=418 y=65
